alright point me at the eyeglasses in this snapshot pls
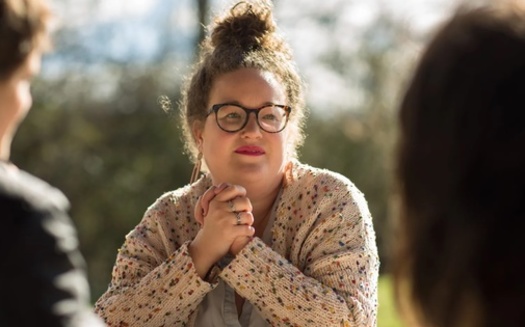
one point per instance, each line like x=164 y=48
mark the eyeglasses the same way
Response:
x=231 y=118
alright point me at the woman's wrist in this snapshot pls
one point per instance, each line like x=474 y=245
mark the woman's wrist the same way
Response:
x=202 y=266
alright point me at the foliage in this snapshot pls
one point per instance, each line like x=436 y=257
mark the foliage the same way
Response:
x=387 y=315
x=110 y=164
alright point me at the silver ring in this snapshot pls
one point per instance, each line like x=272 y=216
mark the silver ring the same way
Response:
x=231 y=205
x=238 y=217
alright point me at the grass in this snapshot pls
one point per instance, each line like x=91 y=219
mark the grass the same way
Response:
x=387 y=315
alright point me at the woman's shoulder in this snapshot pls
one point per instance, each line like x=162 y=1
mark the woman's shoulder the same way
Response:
x=18 y=186
x=304 y=174
x=324 y=184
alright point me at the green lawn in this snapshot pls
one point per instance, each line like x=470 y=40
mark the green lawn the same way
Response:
x=387 y=315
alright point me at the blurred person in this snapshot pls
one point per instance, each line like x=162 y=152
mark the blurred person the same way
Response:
x=461 y=172
x=43 y=281
x=260 y=239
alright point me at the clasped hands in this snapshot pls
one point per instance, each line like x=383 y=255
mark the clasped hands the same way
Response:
x=224 y=213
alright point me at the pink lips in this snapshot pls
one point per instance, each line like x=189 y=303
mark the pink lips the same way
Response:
x=250 y=150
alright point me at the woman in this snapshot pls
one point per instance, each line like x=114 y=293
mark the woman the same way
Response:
x=461 y=170
x=42 y=271
x=260 y=239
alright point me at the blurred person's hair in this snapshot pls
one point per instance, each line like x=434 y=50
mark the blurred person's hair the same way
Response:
x=245 y=37
x=24 y=28
x=460 y=257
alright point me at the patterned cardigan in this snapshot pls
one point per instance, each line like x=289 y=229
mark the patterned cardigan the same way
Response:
x=321 y=269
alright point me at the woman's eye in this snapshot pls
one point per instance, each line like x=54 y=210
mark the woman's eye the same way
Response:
x=233 y=115
x=270 y=117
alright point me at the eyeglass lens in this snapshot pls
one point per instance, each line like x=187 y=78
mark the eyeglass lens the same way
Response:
x=270 y=118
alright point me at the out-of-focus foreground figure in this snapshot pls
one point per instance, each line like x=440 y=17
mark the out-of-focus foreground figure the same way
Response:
x=43 y=282
x=461 y=172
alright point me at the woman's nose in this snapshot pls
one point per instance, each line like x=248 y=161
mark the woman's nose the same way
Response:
x=252 y=127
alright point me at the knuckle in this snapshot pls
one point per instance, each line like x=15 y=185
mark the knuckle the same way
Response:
x=251 y=218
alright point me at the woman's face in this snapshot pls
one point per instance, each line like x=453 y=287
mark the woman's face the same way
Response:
x=15 y=94
x=250 y=155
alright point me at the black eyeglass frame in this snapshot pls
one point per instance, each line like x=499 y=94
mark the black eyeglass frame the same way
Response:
x=215 y=108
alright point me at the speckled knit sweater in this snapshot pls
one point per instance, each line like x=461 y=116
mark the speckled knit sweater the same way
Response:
x=321 y=269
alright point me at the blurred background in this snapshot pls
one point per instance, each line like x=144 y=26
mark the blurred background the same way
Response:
x=98 y=132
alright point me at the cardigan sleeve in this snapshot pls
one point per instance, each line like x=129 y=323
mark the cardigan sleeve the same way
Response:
x=150 y=287
x=328 y=274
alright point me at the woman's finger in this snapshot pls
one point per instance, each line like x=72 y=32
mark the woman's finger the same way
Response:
x=242 y=218
x=208 y=196
x=203 y=203
x=240 y=242
x=237 y=204
x=230 y=192
x=198 y=212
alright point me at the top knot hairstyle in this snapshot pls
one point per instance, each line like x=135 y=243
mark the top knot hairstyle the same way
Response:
x=247 y=28
x=244 y=37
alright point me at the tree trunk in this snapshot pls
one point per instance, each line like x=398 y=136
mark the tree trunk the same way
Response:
x=203 y=7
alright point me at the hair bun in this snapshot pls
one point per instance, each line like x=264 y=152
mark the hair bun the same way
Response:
x=247 y=26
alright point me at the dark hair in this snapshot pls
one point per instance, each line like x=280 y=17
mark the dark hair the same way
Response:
x=23 y=29
x=245 y=37
x=461 y=174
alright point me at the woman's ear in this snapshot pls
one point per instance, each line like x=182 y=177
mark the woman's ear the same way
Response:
x=197 y=129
